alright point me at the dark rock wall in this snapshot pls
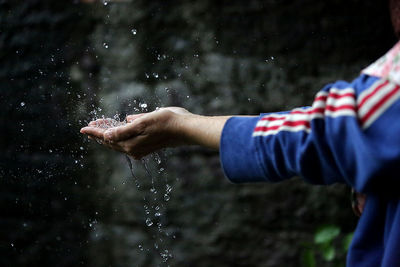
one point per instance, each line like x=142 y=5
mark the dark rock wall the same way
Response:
x=45 y=203
x=224 y=57
x=69 y=202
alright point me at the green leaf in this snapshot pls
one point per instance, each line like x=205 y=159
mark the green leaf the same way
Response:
x=328 y=253
x=347 y=241
x=308 y=258
x=326 y=234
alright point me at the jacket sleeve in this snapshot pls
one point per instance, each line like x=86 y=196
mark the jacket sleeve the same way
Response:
x=350 y=134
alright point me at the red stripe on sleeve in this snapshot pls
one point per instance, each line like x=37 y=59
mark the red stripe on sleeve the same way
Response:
x=379 y=104
x=371 y=94
x=286 y=123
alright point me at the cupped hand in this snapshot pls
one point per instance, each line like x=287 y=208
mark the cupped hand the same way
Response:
x=143 y=133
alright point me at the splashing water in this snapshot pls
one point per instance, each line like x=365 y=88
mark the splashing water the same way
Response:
x=154 y=209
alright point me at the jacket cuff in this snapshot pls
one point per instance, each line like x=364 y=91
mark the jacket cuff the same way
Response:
x=238 y=154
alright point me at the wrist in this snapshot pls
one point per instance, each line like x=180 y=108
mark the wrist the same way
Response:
x=186 y=127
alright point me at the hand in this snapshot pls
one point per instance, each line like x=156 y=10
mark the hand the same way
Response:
x=144 y=133
x=166 y=127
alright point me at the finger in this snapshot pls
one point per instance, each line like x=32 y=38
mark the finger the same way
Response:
x=124 y=132
x=102 y=123
x=95 y=123
x=133 y=117
x=113 y=146
x=130 y=148
x=139 y=147
x=92 y=123
x=93 y=131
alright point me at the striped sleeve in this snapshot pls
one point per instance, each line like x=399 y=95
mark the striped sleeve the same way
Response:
x=350 y=134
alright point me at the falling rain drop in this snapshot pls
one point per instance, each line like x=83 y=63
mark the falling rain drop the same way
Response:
x=22 y=104
x=153 y=190
x=149 y=222
x=134 y=31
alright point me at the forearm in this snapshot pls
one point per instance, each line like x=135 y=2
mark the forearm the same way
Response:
x=201 y=130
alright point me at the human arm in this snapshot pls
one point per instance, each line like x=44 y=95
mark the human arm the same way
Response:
x=350 y=135
x=165 y=127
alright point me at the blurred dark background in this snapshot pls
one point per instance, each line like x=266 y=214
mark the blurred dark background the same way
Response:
x=66 y=201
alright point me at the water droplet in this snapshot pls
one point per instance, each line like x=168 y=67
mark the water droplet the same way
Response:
x=105 y=45
x=155 y=75
x=147 y=76
x=153 y=190
x=12 y=244
x=157 y=208
x=157 y=214
x=137 y=184
x=272 y=58
x=105 y=2
x=143 y=105
x=166 y=197
x=149 y=222
x=134 y=31
x=22 y=104
x=140 y=247
x=81 y=148
x=165 y=255
x=50 y=151
x=168 y=188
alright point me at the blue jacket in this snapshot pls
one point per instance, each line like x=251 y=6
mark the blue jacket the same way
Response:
x=351 y=135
